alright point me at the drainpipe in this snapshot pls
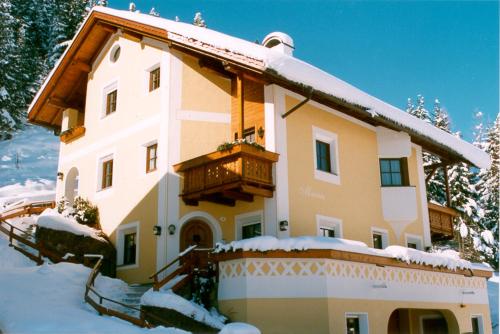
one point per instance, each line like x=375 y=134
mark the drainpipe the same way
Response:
x=309 y=95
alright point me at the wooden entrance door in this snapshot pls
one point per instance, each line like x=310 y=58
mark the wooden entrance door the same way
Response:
x=196 y=232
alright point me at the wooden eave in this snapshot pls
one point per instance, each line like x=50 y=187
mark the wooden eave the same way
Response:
x=68 y=83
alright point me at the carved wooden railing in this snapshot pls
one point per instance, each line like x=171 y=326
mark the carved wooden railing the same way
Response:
x=441 y=221
x=28 y=209
x=237 y=173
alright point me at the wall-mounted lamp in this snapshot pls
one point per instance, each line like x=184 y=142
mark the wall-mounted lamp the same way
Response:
x=284 y=225
x=60 y=175
x=260 y=132
x=157 y=230
x=171 y=229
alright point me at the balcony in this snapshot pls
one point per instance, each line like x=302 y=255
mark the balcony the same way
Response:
x=238 y=173
x=72 y=134
x=441 y=221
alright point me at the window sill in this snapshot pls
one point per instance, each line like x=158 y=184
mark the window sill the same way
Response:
x=103 y=193
x=402 y=186
x=326 y=177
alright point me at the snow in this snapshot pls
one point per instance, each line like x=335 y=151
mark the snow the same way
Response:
x=21 y=156
x=49 y=299
x=10 y=258
x=488 y=237
x=52 y=219
x=298 y=71
x=23 y=194
x=464 y=231
x=447 y=258
x=239 y=328
x=168 y=299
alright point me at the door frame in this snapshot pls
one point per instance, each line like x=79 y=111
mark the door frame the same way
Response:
x=205 y=217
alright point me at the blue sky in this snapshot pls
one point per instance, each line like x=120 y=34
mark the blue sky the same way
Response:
x=390 y=49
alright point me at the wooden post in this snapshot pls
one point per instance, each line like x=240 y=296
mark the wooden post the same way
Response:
x=241 y=102
x=447 y=186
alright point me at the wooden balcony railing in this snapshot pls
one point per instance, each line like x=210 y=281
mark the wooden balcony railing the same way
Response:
x=72 y=134
x=441 y=221
x=239 y=173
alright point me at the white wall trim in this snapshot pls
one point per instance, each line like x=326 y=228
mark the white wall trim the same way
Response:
x=423 y=196
x=480 y=322
x=203 y=116
x=119 y=245
x=281 y=167
x=330 y=138
x=162 y=161
x=110 y=86
x=330 y=110
x=248 y=218
x=270 y=204
x=173 y=154
x=111 y=139
x=330 y=222
x=204 y=216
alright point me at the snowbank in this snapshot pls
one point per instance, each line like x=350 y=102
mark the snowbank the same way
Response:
x=239 y=328
x=168 y=299
x=493 y=299
x=300 y=72
x=52 y=219
x=447 y=258
x=30 y=191
x=10 y=258
x=51 y=298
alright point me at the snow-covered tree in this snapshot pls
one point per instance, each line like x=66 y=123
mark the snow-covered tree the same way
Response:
x=419 y=110
x=34 y=35
x=154 y=12
x=199 y=21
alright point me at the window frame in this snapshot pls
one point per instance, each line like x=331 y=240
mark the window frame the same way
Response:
x=153 y=80
x=121 y=231
x=107 y=89
x=480 y=322
x=248 y=218
x=330 y=223
x=104 y=175
x=385 y=236
x=148 y=157
x=331 y=139
x=416 y=239
x=403 y=171
x=125 y=249
x=363 y=321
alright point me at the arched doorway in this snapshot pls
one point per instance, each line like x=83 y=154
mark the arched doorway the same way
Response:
x=196 y=232
x=71 y=185
x=422 y=321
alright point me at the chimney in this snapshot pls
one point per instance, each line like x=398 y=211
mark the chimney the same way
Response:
x=279 y=41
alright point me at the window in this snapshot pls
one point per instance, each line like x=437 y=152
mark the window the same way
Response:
x=107 y=174
x=379 y=238
x=394 y=172
x=129 y=248
x=477 y=324
x=154 y=79
x=323 y=156
x=111 y=102
x=127 y=245
x=356 y=323
x=249 y=134
x=326 y=166
x=251 y=230
x=414 y=241
x=328 y=226
x=151 y=157
x=115 y=53
x=249 y=225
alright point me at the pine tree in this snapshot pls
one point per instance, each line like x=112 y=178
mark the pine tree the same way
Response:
x=34 y=35
x=419 y=111
x=488 y=190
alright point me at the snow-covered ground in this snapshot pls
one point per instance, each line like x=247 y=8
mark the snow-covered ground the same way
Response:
x=32 y=153
x=49 y=299
x=29 y=191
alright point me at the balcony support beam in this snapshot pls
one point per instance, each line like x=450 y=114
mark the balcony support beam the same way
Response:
x=241 y=104
x=447 y=186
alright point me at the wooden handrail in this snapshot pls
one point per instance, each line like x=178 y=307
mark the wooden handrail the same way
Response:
x=101 y=309
x=178 y=258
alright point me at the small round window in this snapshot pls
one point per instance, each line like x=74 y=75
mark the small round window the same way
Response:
x=115 y=53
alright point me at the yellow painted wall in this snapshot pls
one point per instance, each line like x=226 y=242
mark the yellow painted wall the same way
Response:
x=322 y=315
x=357 y=199
x=133 y=196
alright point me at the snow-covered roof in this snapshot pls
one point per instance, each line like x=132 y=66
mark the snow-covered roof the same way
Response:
x=299 y=72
